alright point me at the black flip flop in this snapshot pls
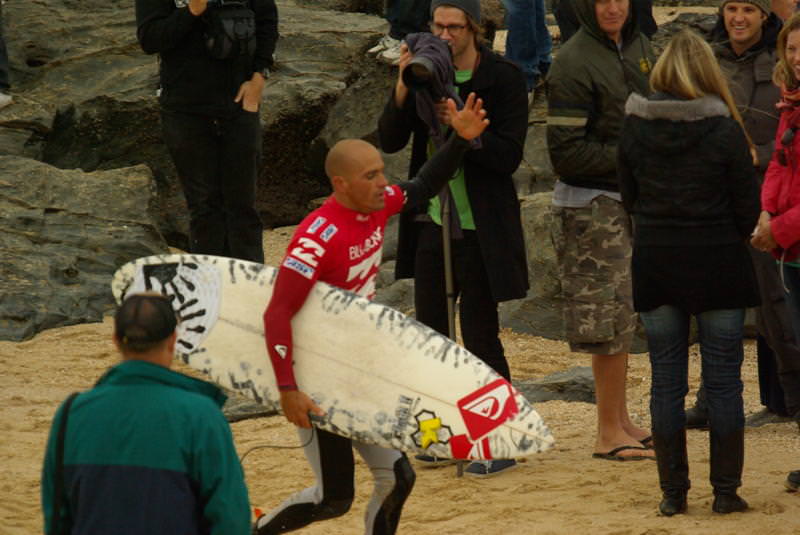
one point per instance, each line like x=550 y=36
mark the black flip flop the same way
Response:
x=612 y=455
x=647 y=442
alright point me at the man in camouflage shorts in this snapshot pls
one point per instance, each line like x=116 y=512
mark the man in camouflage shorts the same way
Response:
x=588 y=84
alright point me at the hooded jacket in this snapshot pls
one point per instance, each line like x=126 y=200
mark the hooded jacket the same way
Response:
x=588 y=84
x=750 y=80
x=685 y=172
x=147 y=450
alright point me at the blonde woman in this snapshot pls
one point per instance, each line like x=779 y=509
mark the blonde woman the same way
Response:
x=687 y=178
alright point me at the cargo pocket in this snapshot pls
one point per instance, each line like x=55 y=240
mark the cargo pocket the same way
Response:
x=589 y=309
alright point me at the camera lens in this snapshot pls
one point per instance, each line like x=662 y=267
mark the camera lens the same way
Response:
x=418 y=74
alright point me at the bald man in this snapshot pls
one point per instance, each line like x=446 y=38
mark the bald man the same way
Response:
x=340 y=243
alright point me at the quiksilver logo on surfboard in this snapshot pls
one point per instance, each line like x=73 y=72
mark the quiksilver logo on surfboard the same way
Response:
x=281 y=350
x=487 y=408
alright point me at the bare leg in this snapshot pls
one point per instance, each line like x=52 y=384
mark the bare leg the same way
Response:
x=610 y=372
x=625 y=418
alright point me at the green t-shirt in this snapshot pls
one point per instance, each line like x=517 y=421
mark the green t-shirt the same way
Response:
x=458 y=186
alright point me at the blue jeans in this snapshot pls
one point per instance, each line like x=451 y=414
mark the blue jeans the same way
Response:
x=408 y=16
x=720 y=336
x=528 y=43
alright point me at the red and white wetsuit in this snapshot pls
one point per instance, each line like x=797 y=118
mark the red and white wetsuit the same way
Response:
x=343 y=248
x=332 y=244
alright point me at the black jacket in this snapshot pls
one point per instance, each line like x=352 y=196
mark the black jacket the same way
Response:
x=191 y=80
x=487 y=171
x=686 y=174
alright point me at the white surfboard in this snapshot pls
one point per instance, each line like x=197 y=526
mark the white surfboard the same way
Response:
x=380 y=376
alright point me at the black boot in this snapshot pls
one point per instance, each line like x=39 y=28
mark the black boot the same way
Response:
x=697 y=416
x=673 y=471
x=727 y=460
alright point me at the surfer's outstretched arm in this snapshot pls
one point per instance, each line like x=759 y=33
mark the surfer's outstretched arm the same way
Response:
x=468 y=123
x=291 y=290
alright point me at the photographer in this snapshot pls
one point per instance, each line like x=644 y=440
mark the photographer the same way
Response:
x=488 y=259
x=214 y=59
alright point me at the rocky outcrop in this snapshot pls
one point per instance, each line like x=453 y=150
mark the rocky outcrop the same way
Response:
x=540 y=312
x=62 y=235
x=85 y=97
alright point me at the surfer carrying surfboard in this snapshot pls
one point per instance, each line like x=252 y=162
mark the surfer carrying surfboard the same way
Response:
x=341 y=244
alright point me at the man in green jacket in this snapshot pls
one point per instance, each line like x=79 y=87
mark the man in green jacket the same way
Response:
x=147 y=450
x=588 y=84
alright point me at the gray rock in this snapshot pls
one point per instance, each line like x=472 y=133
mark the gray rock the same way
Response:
x=574 y=384
x=540 y=312
x=398 y=295
x=701 y=23
x=62 y=236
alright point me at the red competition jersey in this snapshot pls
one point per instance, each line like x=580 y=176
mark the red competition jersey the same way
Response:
x=332 y=244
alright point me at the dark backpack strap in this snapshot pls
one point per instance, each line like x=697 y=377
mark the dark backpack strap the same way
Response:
x=58 y=475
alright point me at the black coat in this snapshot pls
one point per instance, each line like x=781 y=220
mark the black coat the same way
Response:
x=191 y=80
x=687 y=177
x=487 y=171
x=686 y=174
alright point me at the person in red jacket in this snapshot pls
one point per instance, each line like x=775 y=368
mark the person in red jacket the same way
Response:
x=341 y=243
x=778 y=228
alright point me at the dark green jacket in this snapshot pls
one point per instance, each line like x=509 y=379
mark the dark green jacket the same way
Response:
x=147 y=450
x=750 y=80
x=587 y=86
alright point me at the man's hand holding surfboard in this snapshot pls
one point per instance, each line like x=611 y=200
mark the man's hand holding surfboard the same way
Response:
x=296 y=407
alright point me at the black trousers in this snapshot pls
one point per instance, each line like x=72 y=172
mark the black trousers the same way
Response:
x=480 y=326
x=217 y=162
x=778 y=352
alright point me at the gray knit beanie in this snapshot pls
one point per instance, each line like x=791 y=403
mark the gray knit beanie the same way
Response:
x=470 y=7
x=763 y=5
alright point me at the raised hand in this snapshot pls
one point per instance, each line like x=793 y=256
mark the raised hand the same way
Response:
x=400 y=90
x=470 y=121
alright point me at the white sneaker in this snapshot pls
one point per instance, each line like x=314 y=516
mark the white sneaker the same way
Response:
x=5 y=99
x=387 y=41
x=391 y=55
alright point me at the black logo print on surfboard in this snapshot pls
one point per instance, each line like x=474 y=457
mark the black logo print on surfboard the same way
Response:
x=193 y=290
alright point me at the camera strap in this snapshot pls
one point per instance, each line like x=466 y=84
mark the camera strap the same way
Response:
x=58 y=473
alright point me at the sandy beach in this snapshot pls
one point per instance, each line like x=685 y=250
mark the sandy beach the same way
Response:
x=562 y=491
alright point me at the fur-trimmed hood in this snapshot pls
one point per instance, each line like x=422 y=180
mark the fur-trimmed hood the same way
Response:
x=662 y=106
x=671 y=125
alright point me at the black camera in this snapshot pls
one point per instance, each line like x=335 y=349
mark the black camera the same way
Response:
x=419 y=73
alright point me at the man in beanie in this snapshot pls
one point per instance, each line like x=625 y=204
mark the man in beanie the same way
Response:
x=744 y=41
x=147 y=450
x=488 y=252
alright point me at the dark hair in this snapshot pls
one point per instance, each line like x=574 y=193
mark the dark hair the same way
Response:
x=143 y=321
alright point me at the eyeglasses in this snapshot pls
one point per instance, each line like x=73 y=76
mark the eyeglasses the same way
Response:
x=452 y=29
x=786 y=142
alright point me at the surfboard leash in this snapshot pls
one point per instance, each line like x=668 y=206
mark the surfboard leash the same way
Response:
x=279 y=446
